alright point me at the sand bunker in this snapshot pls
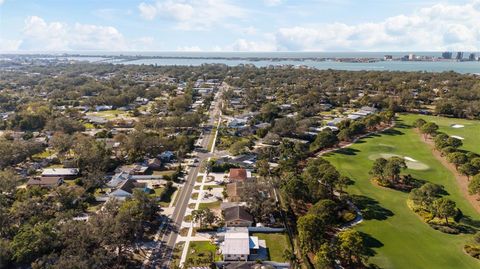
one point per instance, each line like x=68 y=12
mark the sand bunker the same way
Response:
x=458 y=137
x=456 y=126
x=410 y=159
x=410 y=162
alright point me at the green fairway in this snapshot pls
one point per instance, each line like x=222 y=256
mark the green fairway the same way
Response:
x=400 y=238
x=470 y=130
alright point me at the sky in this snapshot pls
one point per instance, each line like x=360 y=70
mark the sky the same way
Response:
x=236 y=25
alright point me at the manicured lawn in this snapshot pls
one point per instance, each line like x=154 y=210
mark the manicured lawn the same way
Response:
x=206 y=186
x=109 y=114
x=199 y=179
x=212 y=205
x=399 y=237
x=43 y=155
x=201 y=253
x=277 y=243
x=89 y=125
x=470 y=132
x=163 y=173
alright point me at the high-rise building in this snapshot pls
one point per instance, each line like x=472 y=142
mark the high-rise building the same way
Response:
x=472 y=57
x=447 y=55
x=459 y=55
x=411 y=57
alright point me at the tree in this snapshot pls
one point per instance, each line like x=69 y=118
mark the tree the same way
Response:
x=31 y=242
x=444 y=208
x=429 y=129
x=325 y=139
x=457 y=158
x=324 y=258
x=474 y=185
x=351 y=247
x=467 y=169
x=378 y=168
x=441 y=141
x=425 y=195
x=454 y=142
x=476 y=162
x=290 y=257
x=326 y=210
x=310 y=232
x=394 y=167
x=295 y=188
x=9 y=180
x=419 y=123
x=263 y=167
x=204 y=216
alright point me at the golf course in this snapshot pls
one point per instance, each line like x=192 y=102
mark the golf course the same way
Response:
x=397 y=236
x=466 y=130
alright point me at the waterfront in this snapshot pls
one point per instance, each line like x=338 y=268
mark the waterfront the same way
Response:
x=291 y=58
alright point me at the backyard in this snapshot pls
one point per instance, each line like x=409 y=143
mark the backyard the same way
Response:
x=277 y=243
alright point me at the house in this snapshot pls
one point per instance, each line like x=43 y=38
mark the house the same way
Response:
x=335 y=121
x=372 y=110
x=249 y=265
x=124 y=190
x=45 y=182
x=237 y=216
x=354 y=116
x=136 y=169
x=66 y=173
x=238 y=123
x=103 y=108
x=238 y=245
x=238 y=174
x=167 y=155
x=95 y=119
x=235 y=191
x=118 y=178
x=141 y=101
x=154 y=164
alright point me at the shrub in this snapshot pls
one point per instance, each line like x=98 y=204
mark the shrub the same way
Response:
x=473 y=250
x=348 y=216
x=445 y=229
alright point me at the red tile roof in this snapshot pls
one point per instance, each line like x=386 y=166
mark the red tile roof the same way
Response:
x=238 y=174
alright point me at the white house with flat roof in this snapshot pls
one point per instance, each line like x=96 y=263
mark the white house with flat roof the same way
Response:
x=60 y=172
x=238 y=245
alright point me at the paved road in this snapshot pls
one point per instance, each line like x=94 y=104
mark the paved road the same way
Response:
x=162 y=256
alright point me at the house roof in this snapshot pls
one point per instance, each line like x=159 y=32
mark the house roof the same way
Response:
x=238 y=174
x=118 y=178
x=234 y=189
x=237 y=213
x=44 y=181
x=51 y=172
x=237 y=242
x=127 y=185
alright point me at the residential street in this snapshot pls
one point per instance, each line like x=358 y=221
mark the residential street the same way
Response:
x=162 y=255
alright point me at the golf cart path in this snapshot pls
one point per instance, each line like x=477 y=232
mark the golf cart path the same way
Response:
x=462 y=180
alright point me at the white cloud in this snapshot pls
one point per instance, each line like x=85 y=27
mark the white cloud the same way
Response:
x=192 y=14
x=9 y=45
x=439 y=27
x=49 y=36
x=147 y=11
x=245 y=45
x=189 y=48
x=272 y=2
